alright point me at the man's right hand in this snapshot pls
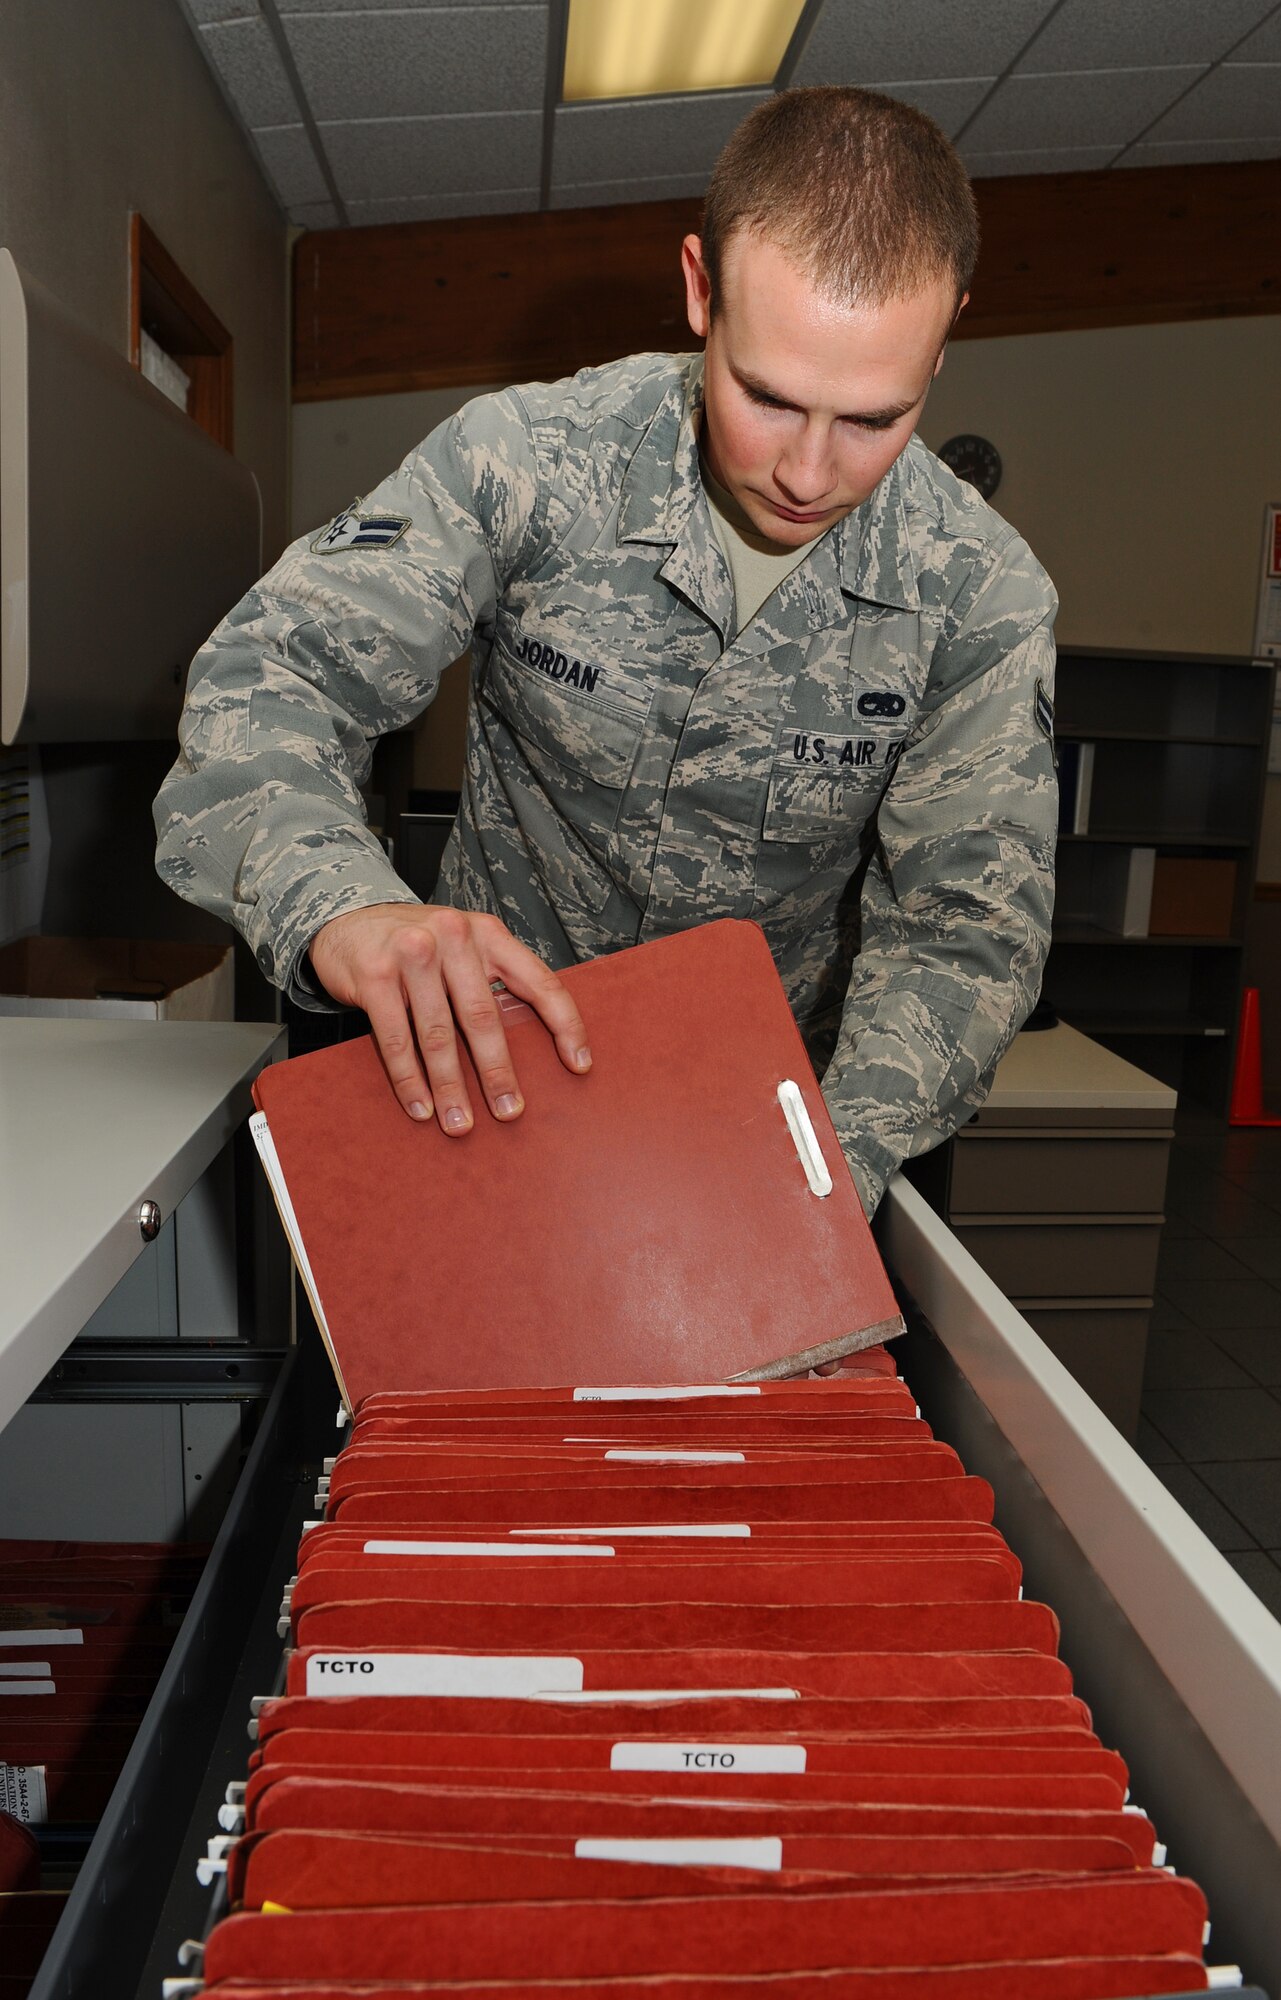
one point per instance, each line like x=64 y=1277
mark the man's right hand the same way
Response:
x=422 y=974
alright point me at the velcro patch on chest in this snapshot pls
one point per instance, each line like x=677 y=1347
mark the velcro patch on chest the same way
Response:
x=350 y=530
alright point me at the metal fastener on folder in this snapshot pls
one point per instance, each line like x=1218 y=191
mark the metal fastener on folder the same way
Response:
x=804 y=1138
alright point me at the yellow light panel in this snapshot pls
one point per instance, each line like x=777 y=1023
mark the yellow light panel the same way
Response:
x=647 y=48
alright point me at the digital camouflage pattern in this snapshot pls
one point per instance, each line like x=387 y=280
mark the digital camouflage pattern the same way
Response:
x=862 y=769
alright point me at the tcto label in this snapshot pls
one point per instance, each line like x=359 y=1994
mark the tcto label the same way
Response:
x=482 y=1549
x=459 y=1674
x=667 y=1392
x=708 y=1757
x=737 y=1851
x=23 y=1793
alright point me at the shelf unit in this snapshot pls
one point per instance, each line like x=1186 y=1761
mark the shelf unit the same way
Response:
x=1180 y=757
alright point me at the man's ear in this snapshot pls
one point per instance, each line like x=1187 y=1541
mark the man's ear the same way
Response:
x=965 y=300
x=698 y=287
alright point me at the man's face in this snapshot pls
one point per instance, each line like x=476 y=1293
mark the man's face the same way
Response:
x=807 y=402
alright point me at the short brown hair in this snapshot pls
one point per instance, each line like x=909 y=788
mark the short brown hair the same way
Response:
x=862 y=191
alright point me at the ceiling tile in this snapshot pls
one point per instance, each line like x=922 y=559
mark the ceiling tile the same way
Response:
x=1185 y=152
x=421 y=64
x=314 y=215
x=1099 y=34
x=646 y=136
x=1097 y=108
x=1235 y=101
x=607 y=194
x=1058 y=160
x=383 y=6
x=291 y=164
x=417 y=157
x=864 y=41
x=245 y=57
x=203 y=12
x=949 y=102
x=1264 y=45
x=440 y=207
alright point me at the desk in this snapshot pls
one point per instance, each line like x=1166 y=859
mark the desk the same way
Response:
x=95 y=1118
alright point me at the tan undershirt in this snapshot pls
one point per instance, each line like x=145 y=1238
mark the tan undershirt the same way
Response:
x=756 y=565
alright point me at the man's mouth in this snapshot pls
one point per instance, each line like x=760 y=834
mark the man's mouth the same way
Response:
x=796 y=514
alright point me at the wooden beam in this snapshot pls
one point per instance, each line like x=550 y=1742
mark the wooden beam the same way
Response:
x=506 y=298
x=1133 y=246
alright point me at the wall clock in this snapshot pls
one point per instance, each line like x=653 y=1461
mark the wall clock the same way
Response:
x=973 y=459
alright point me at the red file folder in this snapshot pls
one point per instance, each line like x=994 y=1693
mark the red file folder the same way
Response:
x=1111 y=1978
x=559 y=1628
x=298 y=1870
x=651 y=1221
x=993 y=1921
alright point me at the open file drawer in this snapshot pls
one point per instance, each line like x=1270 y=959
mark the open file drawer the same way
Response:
x=1180 y=1663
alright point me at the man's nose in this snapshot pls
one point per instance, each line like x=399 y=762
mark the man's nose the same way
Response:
x=805 y=471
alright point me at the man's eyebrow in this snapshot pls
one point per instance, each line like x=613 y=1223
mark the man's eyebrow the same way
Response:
x=888 y=415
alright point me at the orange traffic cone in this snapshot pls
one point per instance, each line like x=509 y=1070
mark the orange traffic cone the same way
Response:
x=1247 y=1083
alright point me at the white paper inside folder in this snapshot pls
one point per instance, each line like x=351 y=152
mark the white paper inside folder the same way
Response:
x=267 y=1153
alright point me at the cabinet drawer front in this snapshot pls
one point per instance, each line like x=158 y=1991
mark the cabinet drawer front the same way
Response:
x=1066 y=1259
x=1060 y=1176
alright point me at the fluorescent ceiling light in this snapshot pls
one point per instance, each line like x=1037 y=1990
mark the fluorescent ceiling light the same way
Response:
x=644 y=48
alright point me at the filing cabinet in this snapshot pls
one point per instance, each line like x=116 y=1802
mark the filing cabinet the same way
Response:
x=1057 y=1188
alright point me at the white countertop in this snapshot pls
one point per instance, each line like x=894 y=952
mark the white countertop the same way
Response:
x=95 y=1118
x=1059 y=1068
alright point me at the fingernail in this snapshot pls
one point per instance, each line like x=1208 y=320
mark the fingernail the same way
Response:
x=507 y=1105
x=582 y=1059
x=456 y=1119
x=418 y=1110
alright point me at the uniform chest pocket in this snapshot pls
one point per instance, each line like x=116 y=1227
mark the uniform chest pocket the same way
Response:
x=823 y=788
x=567 y=714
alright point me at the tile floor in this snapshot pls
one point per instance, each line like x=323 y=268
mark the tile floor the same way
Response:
x=1211 y=1424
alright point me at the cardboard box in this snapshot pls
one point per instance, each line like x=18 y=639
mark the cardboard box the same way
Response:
x=121 y=979
x=1192 y=898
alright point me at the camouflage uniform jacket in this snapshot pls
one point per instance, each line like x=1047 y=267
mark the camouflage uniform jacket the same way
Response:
x=865 y=769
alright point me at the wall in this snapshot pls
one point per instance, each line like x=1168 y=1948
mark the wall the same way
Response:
x=106 y=109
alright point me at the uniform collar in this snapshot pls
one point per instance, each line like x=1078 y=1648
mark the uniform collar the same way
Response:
x=868 y=554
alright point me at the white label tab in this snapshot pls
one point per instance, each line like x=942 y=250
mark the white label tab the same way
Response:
x=459 y=1674
x=55 y=1635
x=668 y=1393
x=734 y=1852
x=776 y=1757
x=481 y=1549
x=26 y=1687
x=677 y=1457
x=23 y=1793
x=709 y=1530
x=671 y=1694
x=24 y=1669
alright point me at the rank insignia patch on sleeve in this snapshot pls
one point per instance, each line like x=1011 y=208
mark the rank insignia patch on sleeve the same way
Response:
x=1044 y=710
x=350 y=530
